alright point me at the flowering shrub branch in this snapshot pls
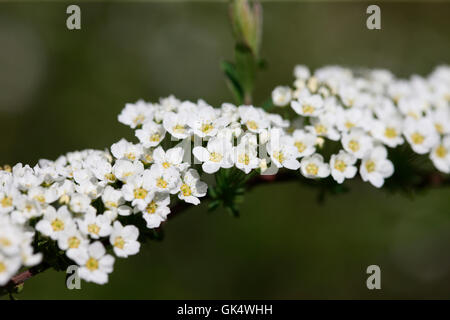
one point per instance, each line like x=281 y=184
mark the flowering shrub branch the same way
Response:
x=91 y=207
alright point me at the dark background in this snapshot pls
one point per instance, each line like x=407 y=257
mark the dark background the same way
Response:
x=62 y=90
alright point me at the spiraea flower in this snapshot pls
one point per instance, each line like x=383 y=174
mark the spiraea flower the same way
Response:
x=342 y=166
x=375 y=167
x=124 y=240
x=192 y=188
x=281 y=96
x=314 y=167
x=95 y=264
x=216 y=155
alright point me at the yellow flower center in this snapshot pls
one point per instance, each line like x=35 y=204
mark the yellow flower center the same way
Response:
x=439 y=128
x=215 y=157
x=178 y=128
x=93 y=228
x=370 y=166
x=57 y=225
x=340 y=165
x=119 y=242
x=441 y=152
x=2 y=267
x=151 y=207
x=130 y=156
x=5 y=242
x=111 y=204
x=140 y=193
x=139 y=119
x=353 y=145
x=40 y=198
x=110 y=177
x=390 y=133
x=308 y=109
x=206 y=127
x=64 y=199
x=252 y=125
x=300 y=146
x=92 y=264
x=166 y=165
x=320 y=129
x=73 y=242
x=244 y=158
x=186 y=190
x=148 y=158
x=7 y=202
x=161 y=183
x=155 y=137
x=279 y=156
x=417 y=138
x=312 y=169
x=349 y=125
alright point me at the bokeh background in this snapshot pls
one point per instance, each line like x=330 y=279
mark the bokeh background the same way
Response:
x=62 y=90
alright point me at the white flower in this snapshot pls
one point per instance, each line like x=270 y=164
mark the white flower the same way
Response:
x=159 y=179
x=8 y=267
x=176 y=125
x=79 y=202
x=170 y=158
x=136 y=114
x=304 y=142
x=375 y=167
x=342 y=166
x=421 y=135
x=255 y=119
x=347 y=119
x=314 y=167
x=124 y=169
x=301 y=72
x=357 y=142
x=388 y=131
x=95 y=264
x=151 y=134
x=8 y=196
x=440 y=155
x=308 y=105
x=281 y=96
x=126 y=150
x=192 y=188
x=94 y=225
x=26 y=209
x=135 y=192
x=71 y=239
x=113 y=200
x=324 y=126
x=216 y=155
x=124 y=240
x=157 y=210
x=10 y=238
x=441 y=120
x=43 y=195
x=282 y=151
x=55 y=222
x=206 y=121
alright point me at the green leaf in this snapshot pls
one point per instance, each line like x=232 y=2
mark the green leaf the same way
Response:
x=232 y=80
x=246 y=68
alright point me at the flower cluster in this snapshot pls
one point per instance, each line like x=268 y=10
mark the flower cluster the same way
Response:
x=368 y=111
x=95 y=205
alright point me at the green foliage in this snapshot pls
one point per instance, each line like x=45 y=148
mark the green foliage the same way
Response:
x=229 y=190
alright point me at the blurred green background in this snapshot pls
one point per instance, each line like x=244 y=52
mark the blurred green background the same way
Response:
x=62 y=90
